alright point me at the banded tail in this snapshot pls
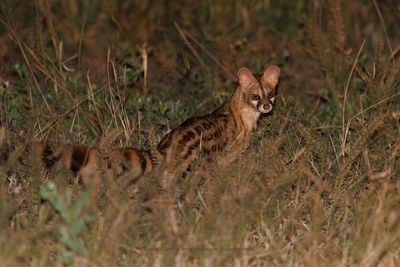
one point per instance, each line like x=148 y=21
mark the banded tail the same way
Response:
x=87 y=160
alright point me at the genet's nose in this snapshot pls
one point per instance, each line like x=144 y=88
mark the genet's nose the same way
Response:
x=267 y=106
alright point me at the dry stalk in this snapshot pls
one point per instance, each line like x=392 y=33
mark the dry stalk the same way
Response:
x=339 y=29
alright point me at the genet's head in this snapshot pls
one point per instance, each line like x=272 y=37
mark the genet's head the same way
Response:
x=259 y=94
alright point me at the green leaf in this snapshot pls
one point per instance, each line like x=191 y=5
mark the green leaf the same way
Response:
x=79 y=205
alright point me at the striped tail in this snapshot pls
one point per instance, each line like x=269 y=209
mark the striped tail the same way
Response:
x=88 y=160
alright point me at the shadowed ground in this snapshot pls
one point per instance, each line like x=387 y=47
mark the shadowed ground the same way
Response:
x=319 y=185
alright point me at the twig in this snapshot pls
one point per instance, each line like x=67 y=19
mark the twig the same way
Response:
x=228 y=73
x=68 y=111
x=189 y=45
x=346 y=89
x=364 y=110
x=374 y=105
x=383 y=25
x=145 y=64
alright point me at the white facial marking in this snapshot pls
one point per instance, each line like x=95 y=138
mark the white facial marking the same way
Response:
x=272 y=99
x=254 y=103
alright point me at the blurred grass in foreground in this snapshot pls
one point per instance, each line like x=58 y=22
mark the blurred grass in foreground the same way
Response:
x=319 y=185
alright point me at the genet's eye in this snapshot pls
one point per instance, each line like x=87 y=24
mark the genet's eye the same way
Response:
x=271 y=94
x=255 y=97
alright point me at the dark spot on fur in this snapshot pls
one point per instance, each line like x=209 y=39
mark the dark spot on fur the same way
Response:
x=126 y=153
x=48 y=156
x=217 y=134
x=198 y=130
x=142 y=161
x=187 y=137
x=165 y=143
x=206 y=125
x=192 y=147
x=214 y=148
x=79 y=158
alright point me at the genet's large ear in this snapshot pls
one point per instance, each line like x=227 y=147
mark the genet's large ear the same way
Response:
x=245 y=77
x=271 y=76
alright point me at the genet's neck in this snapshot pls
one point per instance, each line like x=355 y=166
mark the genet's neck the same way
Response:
x=244 y=114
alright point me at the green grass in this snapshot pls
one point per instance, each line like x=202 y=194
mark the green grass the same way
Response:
x=319 y=185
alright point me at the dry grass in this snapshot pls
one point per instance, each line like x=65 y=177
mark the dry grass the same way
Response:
x=319 y=185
